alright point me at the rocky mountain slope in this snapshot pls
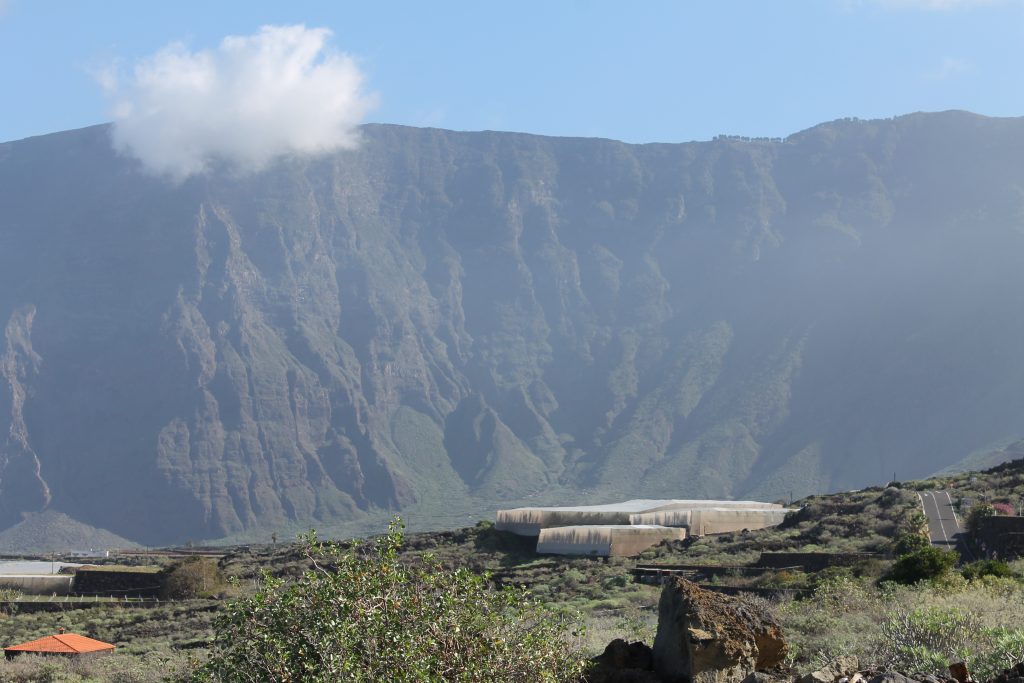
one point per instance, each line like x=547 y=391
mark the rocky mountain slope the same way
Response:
x=52 y=531
x=468 y=318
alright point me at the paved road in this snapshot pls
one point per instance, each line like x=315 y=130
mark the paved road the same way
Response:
x=944 y=526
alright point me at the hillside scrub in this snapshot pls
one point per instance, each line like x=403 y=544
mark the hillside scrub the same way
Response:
x=1002 y=485
x=926 y=564
x=364 y=615
x=116 y=667
x=845 y=615
x=864 y=521
x=916 y=629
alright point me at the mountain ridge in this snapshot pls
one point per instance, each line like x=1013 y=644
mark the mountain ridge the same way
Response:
x=490 y=316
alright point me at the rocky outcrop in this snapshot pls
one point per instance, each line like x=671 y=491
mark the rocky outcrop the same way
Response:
x=707 y=637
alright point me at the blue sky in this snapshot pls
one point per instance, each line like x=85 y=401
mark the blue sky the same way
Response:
x=640 y=72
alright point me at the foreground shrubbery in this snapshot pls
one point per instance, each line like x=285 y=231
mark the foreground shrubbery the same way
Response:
x=915 y=629
x=369 y=617
x=927 y=639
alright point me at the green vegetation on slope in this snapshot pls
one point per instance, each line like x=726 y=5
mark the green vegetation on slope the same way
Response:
x=949 y=614
x=52 y=531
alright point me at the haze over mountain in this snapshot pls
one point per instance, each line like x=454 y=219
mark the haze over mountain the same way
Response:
x=470 y=318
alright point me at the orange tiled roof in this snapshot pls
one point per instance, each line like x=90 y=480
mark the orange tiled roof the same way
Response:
x=62 y=643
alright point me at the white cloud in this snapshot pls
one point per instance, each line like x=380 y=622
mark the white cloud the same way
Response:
x=251 y=100
x=105 y=75
x=947 y=68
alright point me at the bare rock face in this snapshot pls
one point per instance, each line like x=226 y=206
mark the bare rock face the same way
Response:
x=706 y=637
x=473 y=318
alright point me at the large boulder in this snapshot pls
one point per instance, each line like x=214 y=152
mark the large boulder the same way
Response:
x=707 y=637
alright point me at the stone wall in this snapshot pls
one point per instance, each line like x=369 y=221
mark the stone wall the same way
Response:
x=106 y=582
x=813 y=562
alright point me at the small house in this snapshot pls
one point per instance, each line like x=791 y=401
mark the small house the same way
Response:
x=59 y=644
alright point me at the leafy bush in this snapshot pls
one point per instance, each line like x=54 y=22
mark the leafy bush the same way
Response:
x=926 y=640
x=908 y=543
x=368 y=617
x=981 y=568
x=977 y=513
x=193 y=577
x=925 y=564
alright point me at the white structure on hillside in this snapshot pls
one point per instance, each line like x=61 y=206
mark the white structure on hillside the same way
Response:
x=628 y=528
x=607 y=541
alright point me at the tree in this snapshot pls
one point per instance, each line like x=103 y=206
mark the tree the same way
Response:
x=192 y=577
x=978 y=513
x=367 y=616
x=908 y=543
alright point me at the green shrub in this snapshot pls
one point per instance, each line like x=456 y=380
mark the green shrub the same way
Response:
x=908 y=543
x=927 y=641
x=925 y=564
x=368 y=617
x=193 y=577
x=981 y=568
x=1006 y=652
x=9 y=594
x=977 y=513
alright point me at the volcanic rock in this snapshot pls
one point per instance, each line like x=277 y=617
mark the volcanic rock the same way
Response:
x=706 y=637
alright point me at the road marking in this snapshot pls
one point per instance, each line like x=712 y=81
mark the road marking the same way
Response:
x=938 y=517
x=960 y=529
x=953 y=510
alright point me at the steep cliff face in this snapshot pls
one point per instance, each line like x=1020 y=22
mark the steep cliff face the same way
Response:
x=443 y=316
x=22 y=486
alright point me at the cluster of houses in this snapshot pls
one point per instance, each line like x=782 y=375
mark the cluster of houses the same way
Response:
x=627 y=529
